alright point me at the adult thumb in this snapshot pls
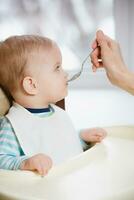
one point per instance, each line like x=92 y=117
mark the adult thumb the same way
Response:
x=102 y=42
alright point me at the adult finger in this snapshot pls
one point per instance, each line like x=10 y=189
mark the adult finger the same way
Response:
x=94 y=68
x=112 y=43
x=94 y=44
x=95 y=54
x=102 y=42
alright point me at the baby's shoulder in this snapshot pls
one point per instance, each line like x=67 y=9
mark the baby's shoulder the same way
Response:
x=4 y=122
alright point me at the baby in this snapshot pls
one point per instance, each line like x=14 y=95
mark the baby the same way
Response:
x=35 y=133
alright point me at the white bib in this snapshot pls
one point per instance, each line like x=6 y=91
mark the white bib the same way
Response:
x=54 y=135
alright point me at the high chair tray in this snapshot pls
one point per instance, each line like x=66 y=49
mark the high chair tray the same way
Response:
x=104 y=172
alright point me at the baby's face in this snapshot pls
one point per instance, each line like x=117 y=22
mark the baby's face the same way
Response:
x=46 y=68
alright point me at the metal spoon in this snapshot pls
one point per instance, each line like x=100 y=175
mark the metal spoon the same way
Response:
x=75 y=76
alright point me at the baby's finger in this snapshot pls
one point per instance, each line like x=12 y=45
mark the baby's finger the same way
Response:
x=94 y=138
x=100 y=138
x=44 y=172
x=40 y=170
x=50 y=163
x=103 y=132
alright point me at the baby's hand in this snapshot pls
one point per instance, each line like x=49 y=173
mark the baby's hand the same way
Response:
x=93 y=135
x=40 y=163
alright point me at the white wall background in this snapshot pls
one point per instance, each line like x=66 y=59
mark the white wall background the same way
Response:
x=92 y=100
x=124 y=29
x=100 y=108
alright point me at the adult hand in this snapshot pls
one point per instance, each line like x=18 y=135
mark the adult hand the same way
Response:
x=106 y=53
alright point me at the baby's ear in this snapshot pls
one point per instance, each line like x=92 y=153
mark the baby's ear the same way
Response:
x=30 y=85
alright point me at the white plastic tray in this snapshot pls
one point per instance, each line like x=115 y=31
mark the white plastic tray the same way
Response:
x=104 y=172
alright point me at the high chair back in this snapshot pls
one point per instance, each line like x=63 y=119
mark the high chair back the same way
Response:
x=4 y=103
x=61 y=104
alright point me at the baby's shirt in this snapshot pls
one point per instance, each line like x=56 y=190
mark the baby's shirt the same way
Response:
x=11 y=153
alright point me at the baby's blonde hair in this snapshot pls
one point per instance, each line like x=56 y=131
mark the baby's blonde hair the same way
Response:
x=14 y=54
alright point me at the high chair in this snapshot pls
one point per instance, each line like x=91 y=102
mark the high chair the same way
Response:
x=104 y=172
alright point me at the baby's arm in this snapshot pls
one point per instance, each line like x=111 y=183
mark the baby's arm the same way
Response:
x=93 y=135
x=9 y=147
x=11 y=157
x=11 y=162
x=40 y=163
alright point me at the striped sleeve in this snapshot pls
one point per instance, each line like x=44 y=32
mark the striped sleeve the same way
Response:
x=11 y=154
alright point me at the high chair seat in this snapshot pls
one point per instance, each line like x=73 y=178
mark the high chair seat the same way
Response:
x=104 y=172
